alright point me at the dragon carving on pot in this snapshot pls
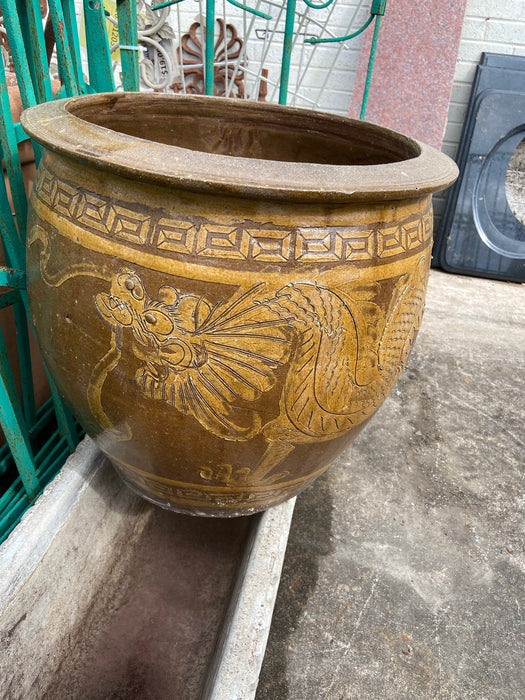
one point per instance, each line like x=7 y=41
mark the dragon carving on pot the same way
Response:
x=341 y=356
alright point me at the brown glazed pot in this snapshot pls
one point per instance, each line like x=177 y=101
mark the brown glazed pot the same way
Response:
x=225 y=291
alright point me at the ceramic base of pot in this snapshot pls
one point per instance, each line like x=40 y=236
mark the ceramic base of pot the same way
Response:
x=203 y=500
x=214 y=511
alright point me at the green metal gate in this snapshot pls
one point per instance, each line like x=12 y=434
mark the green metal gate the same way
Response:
x=37 y=439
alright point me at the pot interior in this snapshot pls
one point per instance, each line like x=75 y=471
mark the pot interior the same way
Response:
x=245 y=129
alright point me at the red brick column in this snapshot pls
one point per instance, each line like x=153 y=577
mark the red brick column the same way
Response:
x=414 y=67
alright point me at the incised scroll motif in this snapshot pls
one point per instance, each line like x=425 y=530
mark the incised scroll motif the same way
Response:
x=333 y=350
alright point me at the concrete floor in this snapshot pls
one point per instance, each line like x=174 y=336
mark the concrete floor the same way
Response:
x=404 y=576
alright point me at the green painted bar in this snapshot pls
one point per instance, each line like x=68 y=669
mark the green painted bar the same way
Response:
x=66 y=423
x=12 y=497
x=20 y=134
x=99 y=56
x=209 y=72
x=18 y=504
x=66 y=66
x=46 y=456
x=15 y=430
x=251 y=10
x=9 y=298
x=13 y=246
x=16 y=44
x=22 y=13
x=44 y=415
x=25 y=365
x=12 y=162
x=45 y=421
x=12 y=278
x=70 y=19
x=370 y=67
x=16 y=256
x=287 y=51
x=14 y=493
x=16 y=500
x=161 y=5
x=30 y=17
x=41 y=79
x=9 y=380
x=128 y=37
x=318 y=6
x=337 y=39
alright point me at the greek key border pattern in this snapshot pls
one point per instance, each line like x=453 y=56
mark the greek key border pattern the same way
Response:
x=174 y=237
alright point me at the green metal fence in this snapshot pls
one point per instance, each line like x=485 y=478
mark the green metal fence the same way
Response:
x=38 y=439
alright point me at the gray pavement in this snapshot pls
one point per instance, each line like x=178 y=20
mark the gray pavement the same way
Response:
x=404 y=576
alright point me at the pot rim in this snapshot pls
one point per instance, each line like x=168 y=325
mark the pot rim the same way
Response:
x=53 y=125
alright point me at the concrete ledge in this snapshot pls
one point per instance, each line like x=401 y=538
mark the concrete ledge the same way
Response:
x=54 y=564
x=104 y=595
x=234 y=672
x=23 y=550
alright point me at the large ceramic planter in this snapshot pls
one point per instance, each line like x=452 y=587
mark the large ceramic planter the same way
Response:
x=225 y=292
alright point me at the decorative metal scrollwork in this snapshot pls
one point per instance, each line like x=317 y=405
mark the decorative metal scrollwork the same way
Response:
x=155 y=35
